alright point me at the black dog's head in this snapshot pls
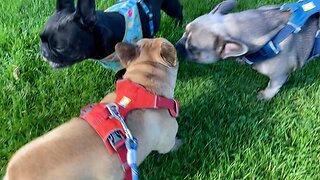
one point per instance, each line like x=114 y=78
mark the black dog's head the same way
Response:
x=68 y=37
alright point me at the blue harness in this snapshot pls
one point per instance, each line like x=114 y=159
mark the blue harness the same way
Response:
x=301 y=12
x=133 y=32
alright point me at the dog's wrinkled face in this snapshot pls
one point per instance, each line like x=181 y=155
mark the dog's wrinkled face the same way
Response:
x=67 y=37
x=199 y=44
x=156 y=51
x=206 y=39
x=151 y=63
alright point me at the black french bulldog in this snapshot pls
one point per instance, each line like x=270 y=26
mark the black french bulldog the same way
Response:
x=74 y=34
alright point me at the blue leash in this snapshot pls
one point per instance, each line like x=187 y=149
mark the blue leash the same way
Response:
x=132 y=147
x=131 y=142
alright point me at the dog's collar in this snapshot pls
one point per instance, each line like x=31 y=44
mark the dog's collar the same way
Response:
x=300 y=12
x=129 y=96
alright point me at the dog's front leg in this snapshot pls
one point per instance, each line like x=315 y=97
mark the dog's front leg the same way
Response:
x=168 y=138
x=273 y=87
x=173 y=9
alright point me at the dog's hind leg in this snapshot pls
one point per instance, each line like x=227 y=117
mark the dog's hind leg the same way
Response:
x=273 y=87
x=177 y=145
x=173 y=9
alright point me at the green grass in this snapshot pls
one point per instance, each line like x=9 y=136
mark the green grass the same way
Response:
x=227 y=132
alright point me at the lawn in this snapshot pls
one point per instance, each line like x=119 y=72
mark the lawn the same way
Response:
x=227 y=133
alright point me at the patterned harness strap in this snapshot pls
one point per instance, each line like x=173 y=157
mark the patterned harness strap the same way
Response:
x=133 y=32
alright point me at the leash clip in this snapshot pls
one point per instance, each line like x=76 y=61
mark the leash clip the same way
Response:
x=131 y=142
x=114 y=111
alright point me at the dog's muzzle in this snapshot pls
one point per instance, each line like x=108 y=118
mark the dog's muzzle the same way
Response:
x=181 y=49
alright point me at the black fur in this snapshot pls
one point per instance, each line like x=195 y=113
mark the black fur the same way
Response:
x=74 y=34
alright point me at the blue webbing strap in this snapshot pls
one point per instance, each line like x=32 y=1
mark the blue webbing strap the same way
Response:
x=301 y=11
x=316 y=47
x=150 y=16
x=271 y=49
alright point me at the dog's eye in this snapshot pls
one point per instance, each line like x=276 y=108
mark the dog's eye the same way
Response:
x=59 y=49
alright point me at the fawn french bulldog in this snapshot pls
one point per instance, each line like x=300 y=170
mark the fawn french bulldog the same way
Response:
x=75 y=151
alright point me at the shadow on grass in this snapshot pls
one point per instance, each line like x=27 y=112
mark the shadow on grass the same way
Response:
x=220 y=124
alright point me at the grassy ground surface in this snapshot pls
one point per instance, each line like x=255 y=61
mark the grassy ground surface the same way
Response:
x=227 y=132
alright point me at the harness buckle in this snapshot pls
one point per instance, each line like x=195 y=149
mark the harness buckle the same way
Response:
x=273 y=47
x=296 y=27
x=116 y=139
x=317 y=33
x=270 y=49
x=247 y=61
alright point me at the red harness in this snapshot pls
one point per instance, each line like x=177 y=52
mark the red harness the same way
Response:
x=129 y=96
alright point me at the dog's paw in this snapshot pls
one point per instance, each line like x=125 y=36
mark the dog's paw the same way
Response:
x=178 y=22
x=264 y=95
x=177 y=144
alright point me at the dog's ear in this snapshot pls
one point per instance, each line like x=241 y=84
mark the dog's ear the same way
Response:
x=86 y=11
x=65 y=4
x=233 y=49
x=224 y=7
x=126 y=52
x=168 y=54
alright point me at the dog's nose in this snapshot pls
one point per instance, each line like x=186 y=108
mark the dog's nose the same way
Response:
x=181 y=50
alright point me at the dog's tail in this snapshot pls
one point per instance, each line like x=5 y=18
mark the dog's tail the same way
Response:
x=224 y=7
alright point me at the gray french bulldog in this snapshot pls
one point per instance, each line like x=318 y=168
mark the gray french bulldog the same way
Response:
x=218 y=36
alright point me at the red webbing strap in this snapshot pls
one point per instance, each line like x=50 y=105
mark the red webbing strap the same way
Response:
x=99 y=119
x=122 y=155
x=134 y=96
x=170 y=104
